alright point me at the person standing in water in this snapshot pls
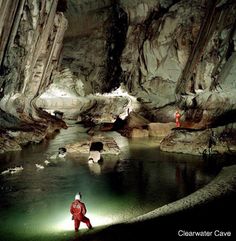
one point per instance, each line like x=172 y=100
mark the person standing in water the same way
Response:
x=78 y=211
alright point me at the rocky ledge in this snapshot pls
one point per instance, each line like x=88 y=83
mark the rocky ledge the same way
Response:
x=83 y=147
x=220 y=140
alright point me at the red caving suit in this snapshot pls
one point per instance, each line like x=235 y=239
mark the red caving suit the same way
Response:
x=177 y=119
x=78 y=210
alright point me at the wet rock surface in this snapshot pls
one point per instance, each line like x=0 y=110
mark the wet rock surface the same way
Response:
x=83 y=147
x=219 y=140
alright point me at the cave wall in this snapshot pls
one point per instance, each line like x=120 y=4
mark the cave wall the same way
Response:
x=169 y=54
x=30 y=46
x=174 y=55
x=85 y=43
x=31 y=37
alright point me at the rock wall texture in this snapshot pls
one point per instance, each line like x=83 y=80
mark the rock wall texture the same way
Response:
x=168 y=54
x=31 y=34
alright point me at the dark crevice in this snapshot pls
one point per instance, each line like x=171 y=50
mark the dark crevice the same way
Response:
x=62 y=6
x=230 y=49
x=155 y=15
x=7 y=46
x=116 y=37
x=225 y=119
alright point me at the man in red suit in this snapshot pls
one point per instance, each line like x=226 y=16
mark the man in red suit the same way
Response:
x=78 y=211
x=177 y=118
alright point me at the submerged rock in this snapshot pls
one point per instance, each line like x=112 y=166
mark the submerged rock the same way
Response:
x=8 y=144
x=12 y=170
x=94 y=156
x=110 y=146
x=39 y=167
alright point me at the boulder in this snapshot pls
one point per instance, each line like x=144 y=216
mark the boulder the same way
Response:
x=160 y=129
x=135 y=120
x=110 y=146
x=219 y=140
x=139 y=133
x=94 y=156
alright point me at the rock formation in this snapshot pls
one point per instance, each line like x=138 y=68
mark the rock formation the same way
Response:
x=175 y=54
x=30 y=46
x=166 y=54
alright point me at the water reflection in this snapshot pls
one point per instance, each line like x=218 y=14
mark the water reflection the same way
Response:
x=141 y=179
x=95 y=168
x=185 y=177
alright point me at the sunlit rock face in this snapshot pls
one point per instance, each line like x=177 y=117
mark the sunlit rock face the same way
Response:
x=31 y=34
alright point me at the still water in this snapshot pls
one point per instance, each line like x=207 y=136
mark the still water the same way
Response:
x=35 y=203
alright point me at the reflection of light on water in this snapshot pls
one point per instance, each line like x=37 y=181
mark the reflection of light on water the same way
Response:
x=68 y=224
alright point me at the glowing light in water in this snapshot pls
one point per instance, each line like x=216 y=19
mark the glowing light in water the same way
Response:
x=67 y=223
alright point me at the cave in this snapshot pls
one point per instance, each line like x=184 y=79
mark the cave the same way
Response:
x=149 y=86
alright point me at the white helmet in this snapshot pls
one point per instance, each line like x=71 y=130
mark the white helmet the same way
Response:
x=78 y=196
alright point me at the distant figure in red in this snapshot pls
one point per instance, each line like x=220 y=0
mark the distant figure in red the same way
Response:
x=177 y=118
x=78 y=210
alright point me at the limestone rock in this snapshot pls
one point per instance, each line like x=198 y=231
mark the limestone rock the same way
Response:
x=110 y=147
x=136 y=120
x=160 y=129
x=167 y=54
x=31 y=35
x=8 y=144
x=219 y=140
x=163 y=52
x=139 y=133
x=36 y=41
x=161 y=40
